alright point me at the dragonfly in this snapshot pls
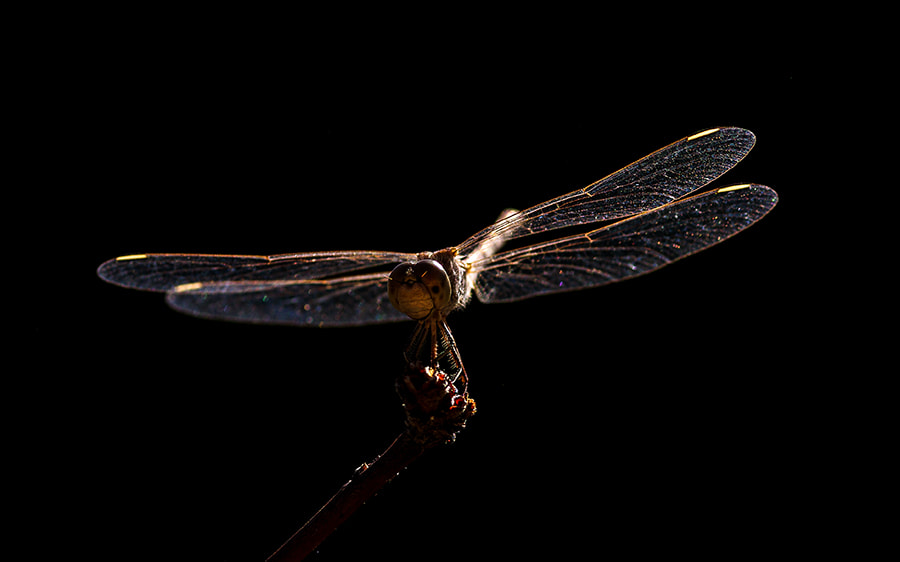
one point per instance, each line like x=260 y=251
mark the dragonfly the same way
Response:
x=636 y=220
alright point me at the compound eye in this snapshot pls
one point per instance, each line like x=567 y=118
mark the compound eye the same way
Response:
x=418 y=289
x=436 y=281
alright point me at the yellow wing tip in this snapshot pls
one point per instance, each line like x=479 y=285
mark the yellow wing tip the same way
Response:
x=187 y=287
x=703 y=133
x=734 y=187
x=132 y=257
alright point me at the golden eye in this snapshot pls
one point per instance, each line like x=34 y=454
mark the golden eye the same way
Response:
x=432 y=275
x=418 y=289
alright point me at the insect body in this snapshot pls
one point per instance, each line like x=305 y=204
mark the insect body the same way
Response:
x=635 y=220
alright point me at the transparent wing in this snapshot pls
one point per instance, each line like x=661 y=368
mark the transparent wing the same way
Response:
x=304 y=289
x=164 y=272
x=344 y=301
x=624 y=249
x=660 y=178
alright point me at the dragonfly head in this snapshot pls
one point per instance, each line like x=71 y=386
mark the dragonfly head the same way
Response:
x=417 y=289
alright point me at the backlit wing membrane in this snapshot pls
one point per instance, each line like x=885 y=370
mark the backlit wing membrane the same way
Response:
x=304 y=289
x=346 y=301
x=630 y=247
x=660 y=178
x=164 y=272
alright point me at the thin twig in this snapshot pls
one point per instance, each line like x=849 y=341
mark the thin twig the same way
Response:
x=435 y=412
x=349 y=498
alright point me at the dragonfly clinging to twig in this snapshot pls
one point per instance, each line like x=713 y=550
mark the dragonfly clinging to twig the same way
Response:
x=649 y=219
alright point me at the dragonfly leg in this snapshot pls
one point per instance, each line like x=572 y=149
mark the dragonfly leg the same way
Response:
x=432 y=345
x=415 y=351
x=460 y=378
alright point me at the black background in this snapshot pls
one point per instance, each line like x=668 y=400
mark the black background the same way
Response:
x=654 y=416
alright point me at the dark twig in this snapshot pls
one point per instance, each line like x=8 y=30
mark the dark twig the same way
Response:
x=435 y=412
x=368 y=480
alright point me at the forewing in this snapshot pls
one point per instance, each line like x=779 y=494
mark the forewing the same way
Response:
x=311 y=289
x=657 y=179
x=627 y=248
x=164 y=272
